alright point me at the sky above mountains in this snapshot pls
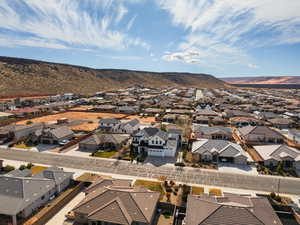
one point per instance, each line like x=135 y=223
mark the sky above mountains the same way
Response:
x=220 y=37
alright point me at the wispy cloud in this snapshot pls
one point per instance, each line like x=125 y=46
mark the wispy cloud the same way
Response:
x=223 y=31
x=67 y=24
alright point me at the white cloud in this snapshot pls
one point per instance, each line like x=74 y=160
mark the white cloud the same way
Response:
x=253 y=66
x=224 y=30
x=68 y=23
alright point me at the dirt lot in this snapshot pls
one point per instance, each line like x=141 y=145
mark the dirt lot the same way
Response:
x=74 y=116
x=85 y=116
x=142 y=119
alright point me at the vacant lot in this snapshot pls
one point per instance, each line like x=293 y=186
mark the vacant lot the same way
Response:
x=92 y=116
x=74 y=116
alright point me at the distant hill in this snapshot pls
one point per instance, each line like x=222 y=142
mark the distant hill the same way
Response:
x=25 y=76
x=263 y=80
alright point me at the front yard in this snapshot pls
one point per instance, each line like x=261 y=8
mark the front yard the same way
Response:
x=152 y=185
x=104 y=154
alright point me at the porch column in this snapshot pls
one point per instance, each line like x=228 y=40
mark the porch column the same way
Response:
x=14 y=220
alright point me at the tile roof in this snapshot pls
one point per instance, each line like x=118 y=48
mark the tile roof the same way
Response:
x=277 y=152
x=121 y=205
x=259 y=130
x=231 y=209
x=224 y=148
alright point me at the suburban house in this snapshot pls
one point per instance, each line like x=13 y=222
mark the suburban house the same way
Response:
x=117 y=205
x=235 y=113
x=155 y=142
x=202 y=132
x=100 y=183
x=18 y=132
x=104 y=142
x=217 y=151
x=5 y=116
x=273 y=154
x=128 y=109
x=245 y=121
x=24 y=194
x=127 y=127
x=281 y=123
x=230 y=209
x=294 y=135
x=48 y=135
x=207 y=111
x=259 y=135
x=266 y=115
x=108 y=124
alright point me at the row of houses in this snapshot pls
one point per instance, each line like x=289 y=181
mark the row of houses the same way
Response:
x=111 y=201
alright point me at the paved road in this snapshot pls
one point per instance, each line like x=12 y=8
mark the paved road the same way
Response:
x=187 y=175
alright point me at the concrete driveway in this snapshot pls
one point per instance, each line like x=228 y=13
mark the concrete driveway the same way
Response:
x=235 y=168
x=59 y=218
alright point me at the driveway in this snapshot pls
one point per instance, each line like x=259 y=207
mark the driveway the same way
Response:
x=160 y=161
x=235 y=168
x=59 y=218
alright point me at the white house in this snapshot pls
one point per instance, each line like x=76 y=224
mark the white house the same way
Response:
x=218 y=151
x=155 y=142
x=127 y=127
x=273 y=154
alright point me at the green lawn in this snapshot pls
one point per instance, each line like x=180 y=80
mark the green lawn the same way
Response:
x=197 y=190
x=104 y=154
x=152 y=185
x=37 y=169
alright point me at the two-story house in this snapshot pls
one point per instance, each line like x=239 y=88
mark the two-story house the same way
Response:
x=155 y=142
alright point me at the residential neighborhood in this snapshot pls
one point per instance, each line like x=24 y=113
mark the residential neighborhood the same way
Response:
x=174 y=129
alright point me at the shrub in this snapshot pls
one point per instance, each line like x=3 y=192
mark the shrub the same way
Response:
x=22 y=167
x=29 y=166
x=215 y=191
x=277 y=198
x=168 y=197
x=8 y=168
x=29 y=122
x=272 y=195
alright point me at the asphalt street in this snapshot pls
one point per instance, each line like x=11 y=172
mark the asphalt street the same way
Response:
x=187 y=175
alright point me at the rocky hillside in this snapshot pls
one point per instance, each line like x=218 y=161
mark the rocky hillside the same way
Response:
x=264 y=80
x=25 y=76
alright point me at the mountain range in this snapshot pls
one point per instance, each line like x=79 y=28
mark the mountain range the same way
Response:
x=25 y=76
x=263 y=80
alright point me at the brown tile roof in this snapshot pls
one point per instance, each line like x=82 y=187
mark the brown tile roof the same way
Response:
x=120 y=205
x=108 y=182
x=231 y=209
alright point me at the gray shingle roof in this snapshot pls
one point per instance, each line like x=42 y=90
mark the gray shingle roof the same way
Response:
x=224 y=148
x=61 y=132
x=213 y=130
x=20 y=192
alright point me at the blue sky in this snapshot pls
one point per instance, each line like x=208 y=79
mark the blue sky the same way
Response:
x=221 y=37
